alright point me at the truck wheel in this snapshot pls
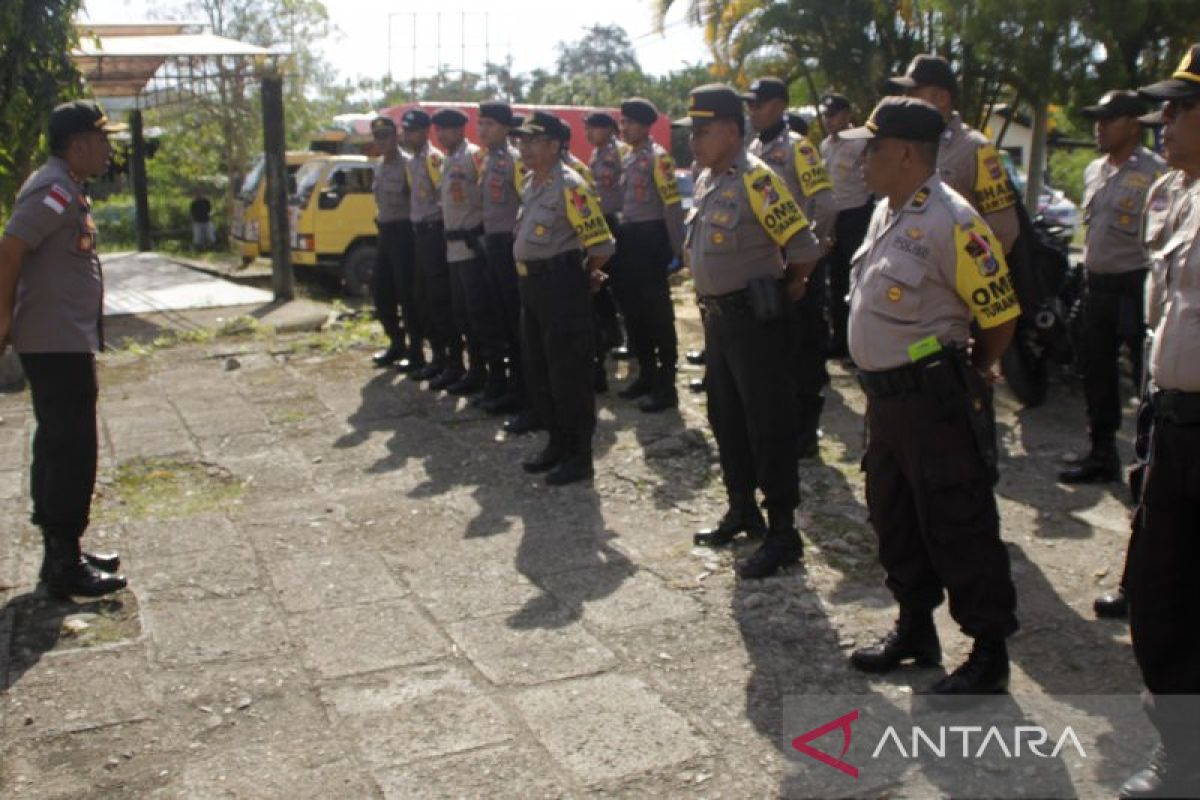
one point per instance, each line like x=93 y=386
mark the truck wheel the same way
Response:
x=357 y=269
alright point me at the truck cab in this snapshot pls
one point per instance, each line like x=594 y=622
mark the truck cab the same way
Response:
x=332 y=216
x=250 y=227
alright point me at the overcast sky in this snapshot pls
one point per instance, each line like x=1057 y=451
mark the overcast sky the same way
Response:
x=492 y=30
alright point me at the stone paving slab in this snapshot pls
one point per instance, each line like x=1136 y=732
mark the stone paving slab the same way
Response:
x=358 y=639
x=333 y=578
x=510 y=656
x=190 y=632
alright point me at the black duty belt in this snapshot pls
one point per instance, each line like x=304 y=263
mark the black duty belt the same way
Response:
x=469 y=236
x=536 y=266
x=427 y=227
x=901 y=380
x=1179 y=408
x=644 y=225
x=717 y=304
x=1116 y=281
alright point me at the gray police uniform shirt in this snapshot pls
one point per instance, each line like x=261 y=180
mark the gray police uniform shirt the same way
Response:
x=60 y=291
x=728 y=241
x=462 y=197
x=606 y=170
x=502 y=175
x=545 y=228
x=424 y=180
x=1172 y=222
x=392 y=198
x=843 y=162
x=925 y=271
x=795 y=160
x=969 y=164
x=1113 y=200
x=643 y=197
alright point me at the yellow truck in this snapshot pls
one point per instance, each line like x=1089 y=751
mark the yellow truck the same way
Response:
x=332 y=219
x=249 y=227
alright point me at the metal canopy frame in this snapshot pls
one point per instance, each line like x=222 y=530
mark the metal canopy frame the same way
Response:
x=142 y=65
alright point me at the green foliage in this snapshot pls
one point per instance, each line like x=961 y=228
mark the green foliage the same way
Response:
x=170 y=220
x=1066 y=171
x=36 y=73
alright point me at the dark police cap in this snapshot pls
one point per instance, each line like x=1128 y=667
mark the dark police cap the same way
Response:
x=1184 y=82
x=927 y=70
x=639 y=109
x=797 y=123
x=539 y=123
x=496 y=110
x=415 y=120
x=382 y=125
x=711 y=101
x=518 y=120
x=832 y=103
x=600 y=119
x=78 y=116
x=764 y=89
x=449 y=118
x=901 y=118
x=1117 y=103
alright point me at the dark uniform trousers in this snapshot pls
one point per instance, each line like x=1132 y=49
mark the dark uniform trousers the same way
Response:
x=393 y=285
x=434 y=293
x=64 y=390
x=476 y=310
x=932 y=506
x=558 y=342
x=1113 y=315
x=810 y=345
x=502 y=269
x=604 y=306
x=849 y=229
x=751 y=400
x=639 y=279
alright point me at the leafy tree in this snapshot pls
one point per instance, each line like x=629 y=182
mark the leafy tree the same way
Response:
x=36 y=73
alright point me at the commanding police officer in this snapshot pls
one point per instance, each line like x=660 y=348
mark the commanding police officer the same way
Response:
x=967 y=161
x=476 y=306
x=651 y=236
x=605 y=166
x=429 y=254
x=1115 y=187
x=743 y=215
x=853 y=201
x=928 y=266
x=1164 y=553
x=502 y=179
x=51 y=303
x=794 y=159
x=392 y=284
x=559 y=221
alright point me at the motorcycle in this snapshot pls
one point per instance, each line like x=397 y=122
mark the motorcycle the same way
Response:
x=1051 y=293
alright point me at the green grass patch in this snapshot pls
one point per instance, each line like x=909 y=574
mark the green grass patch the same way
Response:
x=155 y=488
x=353 y=330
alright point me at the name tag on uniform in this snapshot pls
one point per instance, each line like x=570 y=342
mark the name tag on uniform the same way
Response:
x=924 y=348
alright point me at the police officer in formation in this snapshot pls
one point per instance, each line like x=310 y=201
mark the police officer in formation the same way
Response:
x=929 y=267
x=794 y=159
x=1115 y=187
x=605 y=167
x=392 y=283
x=651 y=237
x=51 y=304
x=750 y=249
x=561 y=245
x=1164 y=551
x=853 y=202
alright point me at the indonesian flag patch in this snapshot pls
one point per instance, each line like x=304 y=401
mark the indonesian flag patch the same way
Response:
x=57 y=199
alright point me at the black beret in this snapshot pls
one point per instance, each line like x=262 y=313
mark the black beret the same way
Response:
x=78 y=116
x=539 y=123
x=449 y=118
x=383 y=124
x=1184 y=81
x=711 y=101
x=497 y=110
x=639 y=109
x=518 y=120
x=901 y=118
x=927 y=70
x=1117 y=103
x=832 y=103
x=415 y=120
x=797 y=123
x=600 y=119
x=766 y=89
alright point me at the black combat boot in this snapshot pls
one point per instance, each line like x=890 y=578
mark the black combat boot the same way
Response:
x=414 y=359
x=1113 y=605
x=1174 y=768
x=394 y=352
x=742 y=515
x=575 y=466
x=642 y=385
x=428 y=372
x=525 y=421
x=452 y=374
x=914 y=636
x=67 y=573
x=547 y=459
x=781 y=548
x=471 y=383
x=104 y=562
x=697 y=386
x=694 y=357
x=664 y=395
x=984 y=672
x=1100 y=465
